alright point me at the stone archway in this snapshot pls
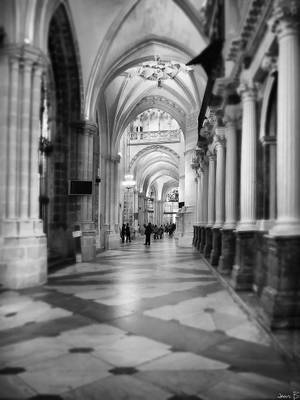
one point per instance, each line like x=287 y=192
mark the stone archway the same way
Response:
x=65 y=95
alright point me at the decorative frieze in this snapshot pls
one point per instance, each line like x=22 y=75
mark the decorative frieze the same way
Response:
x=251 y=29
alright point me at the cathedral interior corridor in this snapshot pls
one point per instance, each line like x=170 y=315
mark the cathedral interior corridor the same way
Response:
x=149 y=199
x=138 y=323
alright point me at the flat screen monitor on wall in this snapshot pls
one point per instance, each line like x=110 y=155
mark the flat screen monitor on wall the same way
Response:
x=77 y=188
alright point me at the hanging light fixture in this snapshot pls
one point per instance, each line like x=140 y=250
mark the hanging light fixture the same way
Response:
x=158 y=70
x=129 y=181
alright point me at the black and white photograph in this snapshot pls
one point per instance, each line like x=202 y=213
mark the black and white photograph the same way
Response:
x=149 y=199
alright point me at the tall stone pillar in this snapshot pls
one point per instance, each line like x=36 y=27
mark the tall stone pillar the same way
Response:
x=23 y=255
x=204 y=202
x=112 y=198
x=228 y=237
x=187 y=214
x=211 y=202
x=281 y=298
x=243 y=270
x=219 y=195
x=141 y=209
x=85 y=152
x=198 y=210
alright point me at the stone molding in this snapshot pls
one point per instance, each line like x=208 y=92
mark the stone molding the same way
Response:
x=154 y=99
x=85 y=127
x=251 y=29
x=26 y=54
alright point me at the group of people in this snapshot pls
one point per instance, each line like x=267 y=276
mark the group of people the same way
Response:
x=158 y=232
x=147 y=230
x=125 y=233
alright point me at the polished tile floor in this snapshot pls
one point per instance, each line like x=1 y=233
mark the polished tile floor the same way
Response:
x=139 y=323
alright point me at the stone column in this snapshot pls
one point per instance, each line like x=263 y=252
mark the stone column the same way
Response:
x=188 y=212
x=286 y=26
x=197 y=226
x=85 y=152
x=112 y=188
x=141 y=209
x=242 y=274
x=219 y=195
x=204 y=205
x=135 y=211
x=211 y=202
x=228 y=237
x=23 y=255
x=280 y=298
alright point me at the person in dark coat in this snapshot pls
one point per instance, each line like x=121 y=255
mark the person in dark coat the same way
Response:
x=123 y=231
x=148 y=232
x=127 y=232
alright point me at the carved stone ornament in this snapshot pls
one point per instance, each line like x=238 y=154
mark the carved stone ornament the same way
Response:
x=248 y=90
x=269 y=63
x=286 y=16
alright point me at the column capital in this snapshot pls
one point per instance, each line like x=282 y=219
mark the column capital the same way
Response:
x=269 y=63
x=211 y=155
x=85 y=127
x=232 y=117
x=248 y=90
x=26 y=54
x=286 y=17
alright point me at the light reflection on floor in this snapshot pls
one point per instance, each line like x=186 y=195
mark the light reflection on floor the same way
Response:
x=139 y=323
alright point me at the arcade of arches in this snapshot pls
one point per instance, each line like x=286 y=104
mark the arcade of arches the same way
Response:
x=100 y=115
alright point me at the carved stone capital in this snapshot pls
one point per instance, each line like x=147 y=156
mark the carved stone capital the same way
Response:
x=233 y=116
x=26 y=54
x=85 y=127
x=247 y=90
x=269 y=63
x=285 y=17
x=211 y=155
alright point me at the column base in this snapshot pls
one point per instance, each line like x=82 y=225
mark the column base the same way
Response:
x=260 y=271
x=202 y=239
x=185 y=240
x=243 y=270
x=216 y=246
x=198 y=238
x=286 y=228
x=226 y=260
x=112 y=240
x=195 y=238
x=88 y=242
x=196 y=241
x=208 y=242
x=24 y=262
x=281 y=297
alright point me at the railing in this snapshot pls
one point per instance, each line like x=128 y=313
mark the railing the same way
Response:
x=155 y=136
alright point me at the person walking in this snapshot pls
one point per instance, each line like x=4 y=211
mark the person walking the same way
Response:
x=123 y=231
x=128 y=233
x=148 y=232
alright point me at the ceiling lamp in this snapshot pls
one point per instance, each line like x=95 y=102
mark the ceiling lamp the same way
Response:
x=128 y=182
x=158 y=70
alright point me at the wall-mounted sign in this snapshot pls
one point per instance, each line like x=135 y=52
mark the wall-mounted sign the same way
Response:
x=78 y=188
